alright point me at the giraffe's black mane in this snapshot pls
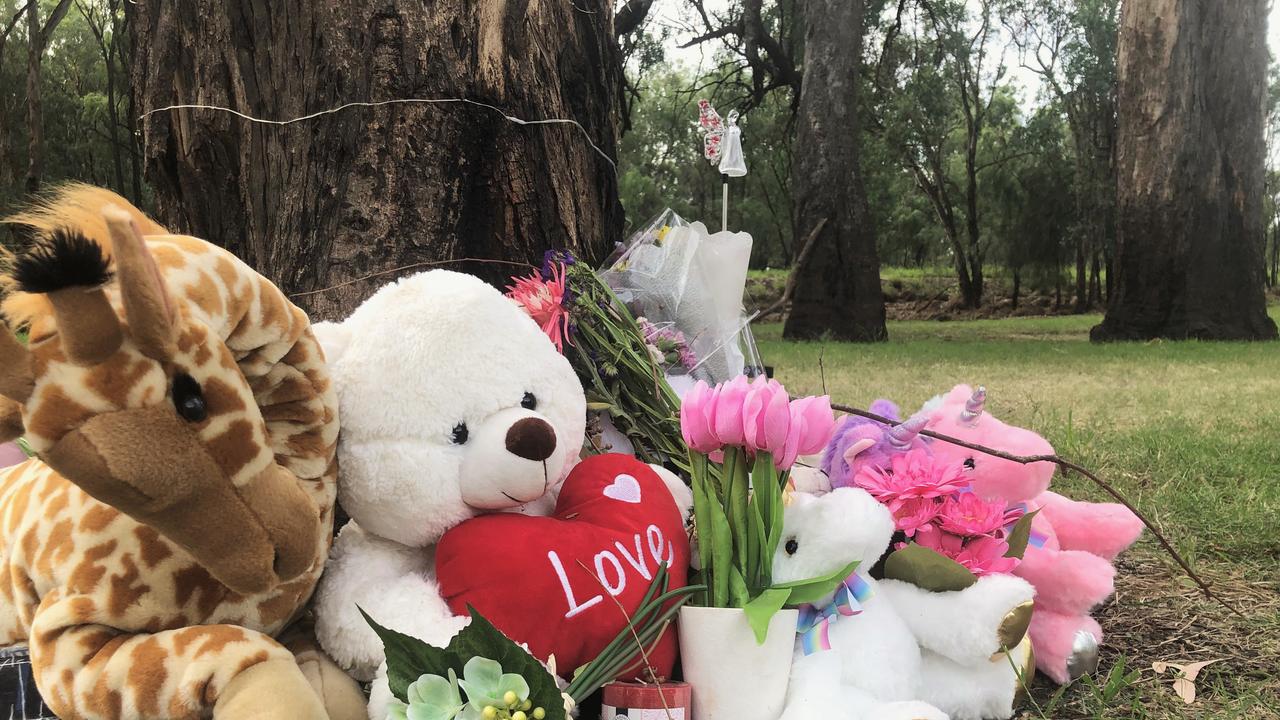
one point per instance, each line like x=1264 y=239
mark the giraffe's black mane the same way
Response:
x=62 y=259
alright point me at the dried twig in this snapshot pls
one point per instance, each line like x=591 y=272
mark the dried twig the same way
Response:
x=1065 y=465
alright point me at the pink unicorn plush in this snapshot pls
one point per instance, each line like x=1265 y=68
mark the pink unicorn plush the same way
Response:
x=1073 y=543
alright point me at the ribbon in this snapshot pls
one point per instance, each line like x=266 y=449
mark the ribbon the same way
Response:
x=815 y=621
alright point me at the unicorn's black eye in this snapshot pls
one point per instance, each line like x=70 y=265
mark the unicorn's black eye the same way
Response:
x=529 y=402
x=188 y=399
x=459 y=435
x=969 y=464
x=792 y=546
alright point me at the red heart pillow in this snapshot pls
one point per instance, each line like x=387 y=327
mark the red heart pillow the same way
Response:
x=525 y=574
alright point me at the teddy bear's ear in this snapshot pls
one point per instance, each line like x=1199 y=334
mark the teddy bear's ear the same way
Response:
x=333 y=339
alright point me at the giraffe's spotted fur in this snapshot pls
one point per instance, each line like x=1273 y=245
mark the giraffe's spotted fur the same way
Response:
x=121 y=621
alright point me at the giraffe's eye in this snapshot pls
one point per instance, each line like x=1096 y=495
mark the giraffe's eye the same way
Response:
x=188 y=399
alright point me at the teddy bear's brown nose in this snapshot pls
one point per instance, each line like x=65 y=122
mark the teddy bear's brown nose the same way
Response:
x=532 y=439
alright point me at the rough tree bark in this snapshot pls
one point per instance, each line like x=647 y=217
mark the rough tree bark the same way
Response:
x=837 y=291
x=1189 y=157
x=331 y=200
x=38 y=36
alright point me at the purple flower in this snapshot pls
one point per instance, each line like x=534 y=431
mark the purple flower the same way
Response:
x=552 y=258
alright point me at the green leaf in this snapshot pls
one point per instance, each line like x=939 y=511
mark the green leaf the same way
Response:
x=736 y=489
x=599 y=406
x=409 y=658
x=928 y=569
x=756 y=542
x=761 y=609
x=1020 y=536
x=480 y=638
x=814 y=589
x=738 y=594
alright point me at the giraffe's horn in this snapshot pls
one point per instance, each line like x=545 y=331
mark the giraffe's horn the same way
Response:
x=88 y=325
x=16 y=380
x=146 y=302
x=902 y=435
x=973 y=406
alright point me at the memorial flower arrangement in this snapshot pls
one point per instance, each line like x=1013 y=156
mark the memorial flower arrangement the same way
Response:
x=755 y=432
x=610 y=351
x=935 y=508
x=484 y=675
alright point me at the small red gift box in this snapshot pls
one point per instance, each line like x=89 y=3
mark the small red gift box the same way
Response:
x=639 y=701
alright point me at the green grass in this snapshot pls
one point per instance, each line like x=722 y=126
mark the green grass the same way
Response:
x=1188 y=431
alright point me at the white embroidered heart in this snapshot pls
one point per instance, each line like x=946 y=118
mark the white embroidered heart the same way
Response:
x=624 y=489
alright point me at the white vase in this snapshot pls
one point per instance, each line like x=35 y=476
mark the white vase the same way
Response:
x=734 y=677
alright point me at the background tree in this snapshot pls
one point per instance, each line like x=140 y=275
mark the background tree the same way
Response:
x=1070 y=46
x=332 y=200
x=768 y=48
x=1190 y=172
x=40 y=27
x=943 y=76
x=837 y=282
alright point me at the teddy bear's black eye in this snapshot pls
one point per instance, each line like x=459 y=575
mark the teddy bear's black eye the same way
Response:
x=529 y=402
x=792 y=546
x=969 y=464
x=188 y=399
x=459 y=435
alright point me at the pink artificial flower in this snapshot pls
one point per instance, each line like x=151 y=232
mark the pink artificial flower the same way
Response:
x=766 y=416
x=730 y=404
x=917 y=516
x=980 y=556
x=986 y=556
x=911 y=475
x=969 y=515
x=697 y=422
x=544 y=301
x=819 y=422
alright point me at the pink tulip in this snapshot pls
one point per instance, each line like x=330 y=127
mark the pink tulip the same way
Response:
x=729 y=409
x=695 y=425
x=766 y=416
x=819 y=422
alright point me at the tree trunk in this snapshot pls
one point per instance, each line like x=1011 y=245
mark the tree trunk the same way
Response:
x=1082 y=274
x=838 y=289
x=1189 y=157
x=35 y=109
x=973 y=296
x=332 y=201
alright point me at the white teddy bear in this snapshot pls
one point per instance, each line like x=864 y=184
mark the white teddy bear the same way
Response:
x=876 y=668
x=453 y=403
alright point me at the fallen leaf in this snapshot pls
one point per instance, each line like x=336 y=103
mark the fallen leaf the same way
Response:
x=1185 y=684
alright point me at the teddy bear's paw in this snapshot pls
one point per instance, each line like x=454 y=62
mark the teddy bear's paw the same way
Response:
x=909 y=710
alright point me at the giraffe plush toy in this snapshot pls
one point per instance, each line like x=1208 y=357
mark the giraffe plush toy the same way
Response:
x=180 y=508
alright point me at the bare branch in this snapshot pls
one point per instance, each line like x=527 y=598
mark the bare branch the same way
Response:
x=1065 y=465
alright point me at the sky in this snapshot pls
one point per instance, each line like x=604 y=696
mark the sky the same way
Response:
x=669 y=12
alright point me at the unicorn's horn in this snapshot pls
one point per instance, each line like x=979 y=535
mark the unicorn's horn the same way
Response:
x=901 y=436
x=973 y=406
